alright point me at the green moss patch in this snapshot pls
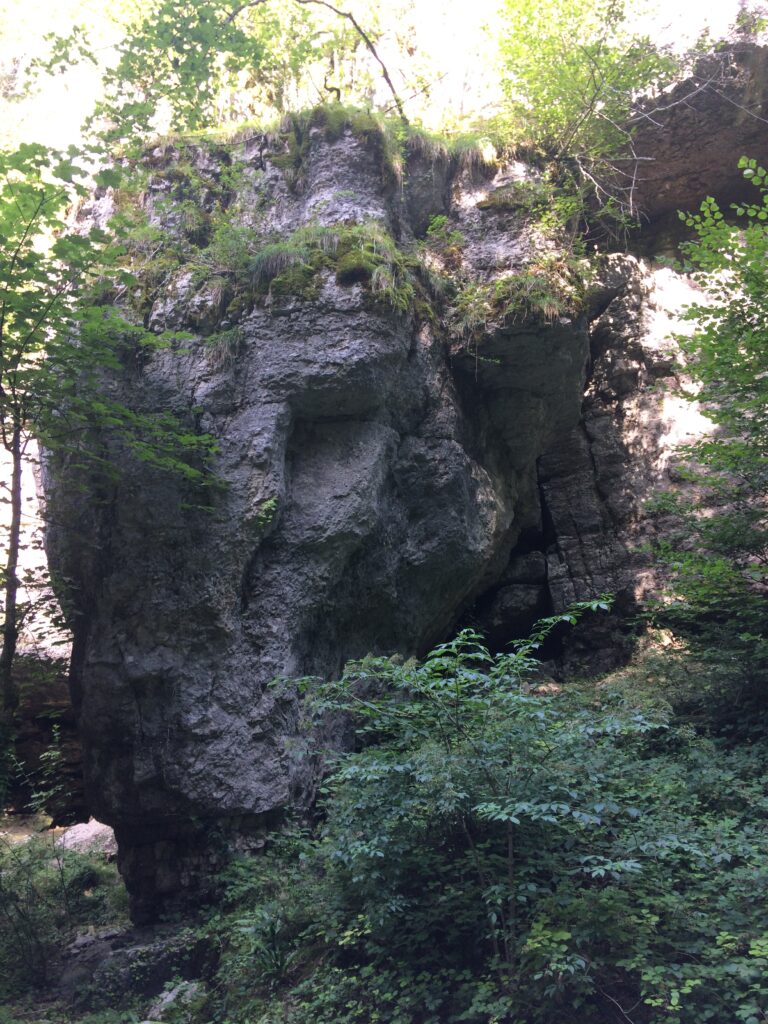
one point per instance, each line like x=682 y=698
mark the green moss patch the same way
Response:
x=301 y=281
x=355 y=267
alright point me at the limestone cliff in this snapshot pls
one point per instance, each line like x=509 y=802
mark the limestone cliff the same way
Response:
x=395 y=455
x=376 y=475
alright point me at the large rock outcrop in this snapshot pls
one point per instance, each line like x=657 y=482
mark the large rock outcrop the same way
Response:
x=376 y=476
x=595 y=533
x=596 y=485
x=689 y=140
x=386 y=472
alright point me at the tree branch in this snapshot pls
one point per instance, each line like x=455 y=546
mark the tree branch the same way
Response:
x=353 y=22
x=369 y=44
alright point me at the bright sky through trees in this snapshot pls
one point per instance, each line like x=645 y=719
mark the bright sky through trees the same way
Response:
x=452 y=44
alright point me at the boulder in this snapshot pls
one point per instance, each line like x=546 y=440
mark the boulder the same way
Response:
x=374 y=476
x=89 y=837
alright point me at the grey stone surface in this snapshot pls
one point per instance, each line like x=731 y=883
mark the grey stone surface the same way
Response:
x=596 y=482
x=376 y=478
x=384 y=481
x=89 y=837
x=175 y=1000
x=107 y=969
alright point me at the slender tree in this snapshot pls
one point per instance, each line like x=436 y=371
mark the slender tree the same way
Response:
x=719 y=564
x=36 y=295
x=56 y=342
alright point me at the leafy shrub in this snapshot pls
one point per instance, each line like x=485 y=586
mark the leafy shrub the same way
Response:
x=274 y=258
x=224 y=347
x=231 y=250
x=500 y=852
x=572 y=72
x=717 y=557
x=357 y=254
x=543 y=291
x=45 y=893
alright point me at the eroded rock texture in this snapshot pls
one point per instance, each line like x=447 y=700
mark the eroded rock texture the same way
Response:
x=596 y=484
x=377 y=476
x=387 y=476
x=594 y=533
x=690 y=139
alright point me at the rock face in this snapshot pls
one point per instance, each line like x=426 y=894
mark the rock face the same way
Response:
x=385 y=475
x=376 y=477
x=594 y=532
x=596 y=483
x=689 y=140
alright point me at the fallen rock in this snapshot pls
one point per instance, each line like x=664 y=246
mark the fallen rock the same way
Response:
x=108 y=969
x=89 y=837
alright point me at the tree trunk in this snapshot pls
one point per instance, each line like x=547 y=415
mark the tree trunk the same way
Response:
x=10 y=621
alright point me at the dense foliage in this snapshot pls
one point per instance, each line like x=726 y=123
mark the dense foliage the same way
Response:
x=502 y=850
x=46 y=894
x=496 y=849
x=719 y=560
x=203 y=63
x=573 y=72
x=190 y=55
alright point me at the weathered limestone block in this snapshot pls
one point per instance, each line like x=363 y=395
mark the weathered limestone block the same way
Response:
x=375 y=480
x=689 y=139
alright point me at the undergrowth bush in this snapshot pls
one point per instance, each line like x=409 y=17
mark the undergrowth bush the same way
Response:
x=46 y=892
x=498 y=852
